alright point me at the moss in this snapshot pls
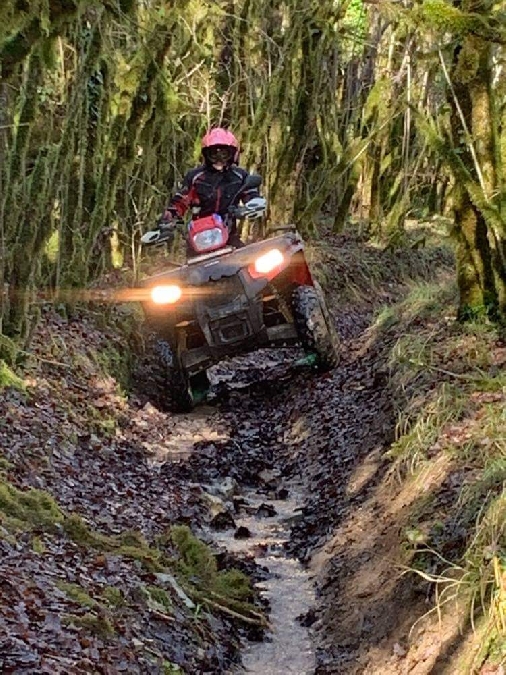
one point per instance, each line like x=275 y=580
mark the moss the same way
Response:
x=26 y=509
x=117 y=364
x=149 y=557
x=113 y=597
x=5 y=465
x=75 y=527
x=160 y=596
x=9 y=379
x=233 y=584
x=198 y=566
x=77 y=594
x=8 y=350
x=197 y=561
x=38 y=545
x=100 y=626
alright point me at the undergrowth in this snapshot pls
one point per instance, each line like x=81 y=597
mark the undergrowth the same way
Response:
x=448 y=383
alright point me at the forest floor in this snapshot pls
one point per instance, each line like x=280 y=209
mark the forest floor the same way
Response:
x=99 y=490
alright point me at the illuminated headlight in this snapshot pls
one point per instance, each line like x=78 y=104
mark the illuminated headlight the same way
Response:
x=208 y=239
x=165 y=295
x=268 y=262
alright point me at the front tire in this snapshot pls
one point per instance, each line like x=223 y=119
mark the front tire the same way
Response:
x=177 y=394
x=314 y=325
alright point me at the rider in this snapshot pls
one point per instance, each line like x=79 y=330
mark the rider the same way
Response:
x=214 y=186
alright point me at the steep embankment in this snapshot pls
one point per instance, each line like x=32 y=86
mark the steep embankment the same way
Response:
x=98 y=580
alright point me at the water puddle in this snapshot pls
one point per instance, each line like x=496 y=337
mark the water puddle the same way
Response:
x=287 y=648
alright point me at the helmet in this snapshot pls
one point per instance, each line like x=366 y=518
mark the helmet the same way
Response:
x=222 y=144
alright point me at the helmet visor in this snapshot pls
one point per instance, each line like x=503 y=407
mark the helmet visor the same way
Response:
x=220 y=153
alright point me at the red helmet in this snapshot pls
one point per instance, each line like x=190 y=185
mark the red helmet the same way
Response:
x=224 y=139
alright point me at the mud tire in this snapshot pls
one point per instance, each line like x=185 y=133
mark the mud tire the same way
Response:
x=175 y=385
x=314 y=325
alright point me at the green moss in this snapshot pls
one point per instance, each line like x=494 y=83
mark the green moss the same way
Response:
x=113 y=597
x=198 y=566
x=130 y=545
x=99 y=626
x=79 y=532
x=160 y=596
x=77 y=594
x=9 y=379
x=8 y=350
x=26 y=509
x=38 y=545
x=117 y=363
x=149 y=557
x=233 y=584
x=5 y=465
x=197 y=561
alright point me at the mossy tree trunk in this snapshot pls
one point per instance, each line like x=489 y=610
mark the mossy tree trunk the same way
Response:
x=479 y=224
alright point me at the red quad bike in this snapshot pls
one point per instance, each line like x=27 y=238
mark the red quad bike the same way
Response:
x=225 y=301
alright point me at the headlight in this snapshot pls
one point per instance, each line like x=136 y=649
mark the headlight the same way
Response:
x=165 y=295
x=208 y=239
x=268 y=262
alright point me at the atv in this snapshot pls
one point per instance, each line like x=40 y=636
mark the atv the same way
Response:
x=226 y=301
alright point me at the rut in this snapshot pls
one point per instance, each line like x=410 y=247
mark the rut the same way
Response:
x=302 y=451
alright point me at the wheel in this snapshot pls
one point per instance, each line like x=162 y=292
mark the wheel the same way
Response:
x=179 y=392
x=314 y=325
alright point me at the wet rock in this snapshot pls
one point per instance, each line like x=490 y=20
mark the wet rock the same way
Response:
x=239 y=504
x=307 y=619
x=266 y=511
x=282 y=493
x=242 y=532
x=223 y=521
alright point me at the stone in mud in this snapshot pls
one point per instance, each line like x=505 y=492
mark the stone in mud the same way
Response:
x=222 y=521
x=282 y=493
x=239 y=503
x=242 y=532
x=266 y=511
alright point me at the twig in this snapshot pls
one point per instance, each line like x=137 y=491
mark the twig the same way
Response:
x=236 y=615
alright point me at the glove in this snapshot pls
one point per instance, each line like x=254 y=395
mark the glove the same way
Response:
x=167 y=221
x=165 y=225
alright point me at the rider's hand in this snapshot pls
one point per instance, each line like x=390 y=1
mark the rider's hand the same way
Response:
x=165 y=224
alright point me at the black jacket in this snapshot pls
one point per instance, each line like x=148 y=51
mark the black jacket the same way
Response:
x=213 y=191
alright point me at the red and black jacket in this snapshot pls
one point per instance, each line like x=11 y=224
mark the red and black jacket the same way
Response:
x=213 y=191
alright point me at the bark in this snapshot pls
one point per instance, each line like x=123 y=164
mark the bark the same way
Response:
x=481 y=270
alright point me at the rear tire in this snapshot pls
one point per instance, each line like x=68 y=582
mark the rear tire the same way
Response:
x=314 y=325
x=177 y=395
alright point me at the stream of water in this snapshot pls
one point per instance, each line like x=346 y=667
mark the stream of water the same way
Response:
x=287 y=647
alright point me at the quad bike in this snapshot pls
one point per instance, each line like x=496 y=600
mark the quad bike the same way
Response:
x=225 y=301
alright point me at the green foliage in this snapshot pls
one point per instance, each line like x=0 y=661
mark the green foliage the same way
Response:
x=77 y=594
x=113 y=597
x=197 y=564
x=100 y=626
x=27 y=509
x=197 y=561
x=445 y=17
x=8 y=378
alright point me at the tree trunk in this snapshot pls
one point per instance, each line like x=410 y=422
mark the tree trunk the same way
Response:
x=481 y=271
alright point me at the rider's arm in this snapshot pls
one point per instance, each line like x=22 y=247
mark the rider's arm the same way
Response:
x=248 y=194
x=185 y=197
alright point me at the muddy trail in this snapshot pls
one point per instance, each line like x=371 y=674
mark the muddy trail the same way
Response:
x=302 y=454
x=279 y=473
